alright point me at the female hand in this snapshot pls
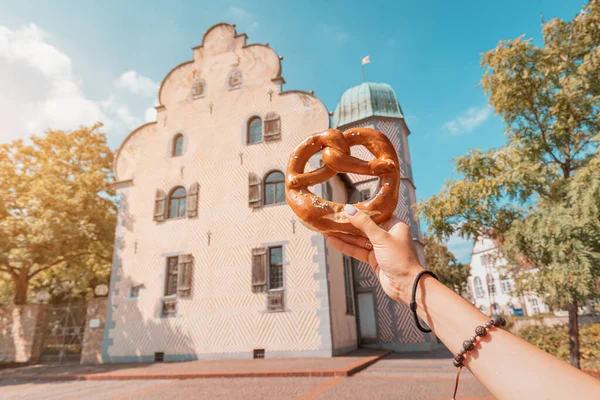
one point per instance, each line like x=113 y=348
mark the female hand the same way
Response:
x=390 y=251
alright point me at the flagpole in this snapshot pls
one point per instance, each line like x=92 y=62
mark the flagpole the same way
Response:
x=363 y=71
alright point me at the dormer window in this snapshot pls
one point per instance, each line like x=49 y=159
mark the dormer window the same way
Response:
x=177 y=149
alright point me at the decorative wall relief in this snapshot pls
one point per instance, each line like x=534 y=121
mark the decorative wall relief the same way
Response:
x=198 y=89
x=234 y=80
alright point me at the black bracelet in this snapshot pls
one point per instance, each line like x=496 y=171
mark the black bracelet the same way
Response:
x=413 y=301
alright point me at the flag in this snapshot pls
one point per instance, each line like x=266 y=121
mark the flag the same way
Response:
x=366 y=60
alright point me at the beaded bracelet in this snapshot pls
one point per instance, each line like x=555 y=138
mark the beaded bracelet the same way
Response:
x=469 y=345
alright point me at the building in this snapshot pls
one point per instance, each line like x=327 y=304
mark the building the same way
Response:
x=209 y=260
x=492 y=290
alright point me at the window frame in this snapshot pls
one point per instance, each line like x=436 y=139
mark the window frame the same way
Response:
x=179 y=199
x=505 y=286
x=264 y=187
x=491 y=285
x=270 y=266
x=348 y=287
x=262 y=129
x=174 y=145
x=139 y=292
x=479 y=291
x=169 y=274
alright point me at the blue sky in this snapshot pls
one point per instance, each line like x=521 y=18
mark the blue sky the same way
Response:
x=64 y=63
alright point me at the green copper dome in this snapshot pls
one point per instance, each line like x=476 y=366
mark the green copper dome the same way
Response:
x=366 y=100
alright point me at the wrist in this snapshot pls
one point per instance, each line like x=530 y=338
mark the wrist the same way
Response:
x=405 y=284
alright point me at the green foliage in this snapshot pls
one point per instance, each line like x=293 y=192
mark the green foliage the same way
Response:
x=57 y=212
x=555 y=340
x=538 y=195
x=441 y=261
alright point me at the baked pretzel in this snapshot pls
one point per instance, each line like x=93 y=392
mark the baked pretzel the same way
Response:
x=327 y=216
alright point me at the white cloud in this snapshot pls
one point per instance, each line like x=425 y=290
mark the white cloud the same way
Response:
x=467 y=121
x=460 y=247
x=338 y=35
x=243 y=17
x=39 y=88
x=137 y=84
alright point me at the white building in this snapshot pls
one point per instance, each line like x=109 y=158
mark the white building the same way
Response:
x=492 y=291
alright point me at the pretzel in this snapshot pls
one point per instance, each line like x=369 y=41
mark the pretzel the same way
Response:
x=327 y=216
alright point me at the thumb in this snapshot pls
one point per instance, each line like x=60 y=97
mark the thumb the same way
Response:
x=363 y=222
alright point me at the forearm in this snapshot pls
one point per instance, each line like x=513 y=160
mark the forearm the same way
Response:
x=506 y=365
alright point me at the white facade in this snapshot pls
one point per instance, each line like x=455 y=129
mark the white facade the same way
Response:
x=492 y=292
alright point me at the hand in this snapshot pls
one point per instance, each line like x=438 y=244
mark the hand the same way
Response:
x=390 y=252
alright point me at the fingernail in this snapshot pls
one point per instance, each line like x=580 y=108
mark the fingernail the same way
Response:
x=368 y=245
x=350 y=209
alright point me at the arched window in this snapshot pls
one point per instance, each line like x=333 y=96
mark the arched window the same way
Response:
x=177 y=145
x=255 y=130
x=478 y=287
x=177 y=203
x=274 y=190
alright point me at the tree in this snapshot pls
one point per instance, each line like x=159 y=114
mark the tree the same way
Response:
x=441 y=261
x=57 y=212
x=532 y=193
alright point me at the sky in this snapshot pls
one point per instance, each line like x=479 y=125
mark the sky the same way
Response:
x=68 y=63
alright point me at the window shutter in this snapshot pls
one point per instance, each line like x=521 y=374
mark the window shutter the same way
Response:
x=160 y=205
x=254 y=191
x=184 y=277
x=192 y=200
x=272 y=126
x=259 y=269
x=275 y=300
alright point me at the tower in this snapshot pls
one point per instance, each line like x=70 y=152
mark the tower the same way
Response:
x=374 y=105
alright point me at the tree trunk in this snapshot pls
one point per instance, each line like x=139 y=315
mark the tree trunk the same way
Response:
x=573 y=335
x=21 y=287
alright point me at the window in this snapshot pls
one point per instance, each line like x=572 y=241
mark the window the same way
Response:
x=490 y=283
x=177 y=145
x=178 y=282
x=171 y=282
x=275 y=268
x=348 y=285
x=478 y=287
x=365 y=194
x=328 y=195
x=134 y=292
x=534 y=305
x=486 y=260
x=255 y=130
x=177 y=203
x=505 y=285
x=274 y=188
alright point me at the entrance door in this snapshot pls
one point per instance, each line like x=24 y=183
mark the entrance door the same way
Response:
x=366 y=317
